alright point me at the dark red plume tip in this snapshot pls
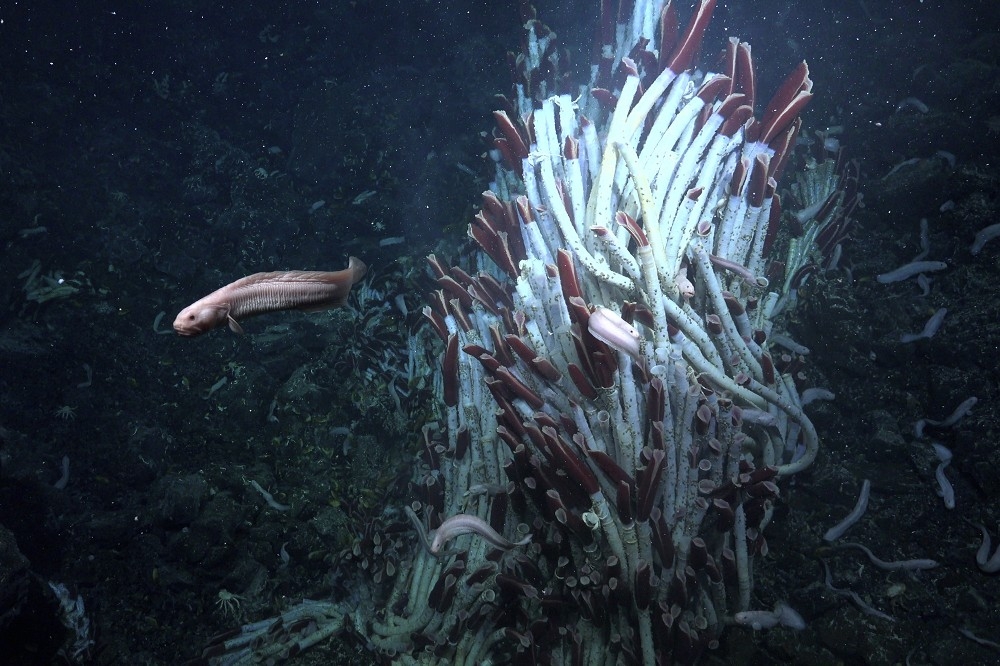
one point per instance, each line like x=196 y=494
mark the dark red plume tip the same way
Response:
x=609 y=467
x=782 y=146
x=439 y=302
x=479 y=295
x=460 y=314
x=504 y=102
x=510 y=132
x=604 y=97
x=714 y=324
x=534 y=434
x=714 y=87
x=745 y=80
x=581 y=382
x=494 y=243
x=738 y=180
x=571 y=463
x=761 y=474
x=733 y=304
x=634 y=230
x=628 y=66
x=519 y=388
x=571 y=149
x=449 y=370
x=497 y=291
x=496 y=212
x=520 y=347
x=543 y=420
x=758 y=180
x=488 y=361
x=797 y=81
x=655 y=402
x=703 y=419
x=460 y=276
x=439 y=269
x=623 y=502
x=767 y=368
x=725 y=516
x=437 y=322
x=737 y=119
x=656 y=436
x=546 y=369
x=662 y=540
x=669 y=31
x=730 y=104
x=524 y=211
x=649 y=483
x=727 y=62
x=567 y=275
x=787 y=103
x=507 y=153
x=686 y=53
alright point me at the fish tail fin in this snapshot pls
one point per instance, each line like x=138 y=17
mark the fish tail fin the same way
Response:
x=357 y=268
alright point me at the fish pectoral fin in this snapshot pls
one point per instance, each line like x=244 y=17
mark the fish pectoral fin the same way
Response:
x=234 y=325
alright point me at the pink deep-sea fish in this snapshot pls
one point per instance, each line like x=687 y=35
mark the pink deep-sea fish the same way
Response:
x=309 y=291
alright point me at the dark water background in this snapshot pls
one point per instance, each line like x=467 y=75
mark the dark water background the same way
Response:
x=169 y=148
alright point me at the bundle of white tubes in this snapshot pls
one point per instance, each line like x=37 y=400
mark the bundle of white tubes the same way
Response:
x=615 y=418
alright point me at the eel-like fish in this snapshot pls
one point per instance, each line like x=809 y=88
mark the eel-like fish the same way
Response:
x=310 y=291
